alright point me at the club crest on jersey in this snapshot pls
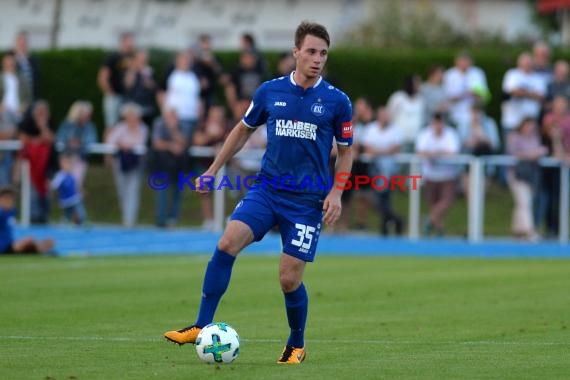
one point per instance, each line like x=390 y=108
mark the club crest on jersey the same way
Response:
x=318 y=109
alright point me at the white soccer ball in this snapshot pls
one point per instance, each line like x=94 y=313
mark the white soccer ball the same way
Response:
x=218 y=343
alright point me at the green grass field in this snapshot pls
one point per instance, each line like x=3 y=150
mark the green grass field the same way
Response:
x=370 y=318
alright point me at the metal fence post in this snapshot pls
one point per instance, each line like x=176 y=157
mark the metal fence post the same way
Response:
x=564 y=203
x=476 y=205
x=26 y=193
x=415 y=202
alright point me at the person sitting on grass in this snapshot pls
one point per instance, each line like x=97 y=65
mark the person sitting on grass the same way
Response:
x=8 y=245
x=70 y=199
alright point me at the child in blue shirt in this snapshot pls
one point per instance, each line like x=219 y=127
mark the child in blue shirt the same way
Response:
x=70 y=199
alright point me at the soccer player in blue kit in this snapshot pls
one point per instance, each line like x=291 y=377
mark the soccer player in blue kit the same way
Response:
x=304 y=115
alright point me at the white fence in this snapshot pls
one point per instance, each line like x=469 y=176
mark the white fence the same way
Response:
x=475 y=208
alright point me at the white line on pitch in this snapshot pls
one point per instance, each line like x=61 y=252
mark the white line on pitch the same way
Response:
x=342 y=341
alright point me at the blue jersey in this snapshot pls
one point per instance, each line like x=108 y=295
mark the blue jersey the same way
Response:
x=68 y=192
x=301 y=126
x=6 y=237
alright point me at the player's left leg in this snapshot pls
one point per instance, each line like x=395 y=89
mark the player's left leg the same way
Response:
x=291 y=271
x=300 y=228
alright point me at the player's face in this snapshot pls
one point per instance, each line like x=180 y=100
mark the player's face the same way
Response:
x=311 y=56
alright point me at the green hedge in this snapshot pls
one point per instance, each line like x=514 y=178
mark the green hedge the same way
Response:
x=68 y=75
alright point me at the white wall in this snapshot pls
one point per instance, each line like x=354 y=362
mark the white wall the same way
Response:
x=507 y=17
x=175 y=24
x=35 y=16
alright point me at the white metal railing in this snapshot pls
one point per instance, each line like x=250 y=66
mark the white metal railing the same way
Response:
x=475 y=207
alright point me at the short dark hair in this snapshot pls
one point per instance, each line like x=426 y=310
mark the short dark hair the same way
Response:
x=314 y=29
x=248 y=37
x=7 y=191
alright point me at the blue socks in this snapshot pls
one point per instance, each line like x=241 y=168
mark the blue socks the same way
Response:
x=297 y=304
x=216 y=281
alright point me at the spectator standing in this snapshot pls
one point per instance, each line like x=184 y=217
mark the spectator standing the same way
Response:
x=480 y=137
x=285 y=65
x=560 y=84
x=36 y=135
x=438 y=141
x=243 y=81
x=27 y=65
x=183 y=93
x=70 y=199
x=15 y=98
x=74 y=136
x=555 y=133
x=381 y=141
x=524 y=91
x=433 y=93
x=207 y=68
x=542 y=66
x=464 y=83
x=169 y=155
x=14 y=92
x=248 y=44
x=212 y=134
x=524 y=144
x=406 y=108
x=130 y=137
x=140 y=86
x=111 y=78
x=362 y=116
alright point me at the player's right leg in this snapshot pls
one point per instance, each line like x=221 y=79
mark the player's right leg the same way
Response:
x=237 y=236
x=252 y=218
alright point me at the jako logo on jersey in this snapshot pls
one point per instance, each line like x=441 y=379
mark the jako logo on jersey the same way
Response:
x=346 y=128
x=318 y=109
x=280 y=104
x=294 y=128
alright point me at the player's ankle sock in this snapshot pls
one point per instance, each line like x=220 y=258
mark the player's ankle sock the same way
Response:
x=297 y=304
x=216 y=280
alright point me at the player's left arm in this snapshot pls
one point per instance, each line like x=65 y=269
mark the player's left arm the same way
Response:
x=343 y=135
x=332 y=205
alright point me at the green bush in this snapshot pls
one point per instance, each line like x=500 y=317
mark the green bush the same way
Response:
x=68 y=75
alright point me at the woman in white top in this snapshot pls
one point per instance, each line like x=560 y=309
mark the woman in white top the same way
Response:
x=14 y=94
x=406 y=108
x=434 y=143
x=15 y=97
x=129 y=136
x=183 y=93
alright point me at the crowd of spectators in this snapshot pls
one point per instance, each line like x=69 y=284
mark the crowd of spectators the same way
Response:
x=153 y=121
x=443 y=116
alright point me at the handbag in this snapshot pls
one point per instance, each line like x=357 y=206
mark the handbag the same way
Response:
x=527 y=171
x=128 y=160
x=165 y=161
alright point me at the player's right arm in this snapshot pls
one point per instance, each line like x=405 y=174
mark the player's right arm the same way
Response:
x=255 y=116
x=233 y=144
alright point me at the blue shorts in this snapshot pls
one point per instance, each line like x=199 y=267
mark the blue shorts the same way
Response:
x=299 y=220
